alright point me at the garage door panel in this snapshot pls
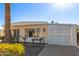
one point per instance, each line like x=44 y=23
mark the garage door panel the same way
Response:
x=59 y=35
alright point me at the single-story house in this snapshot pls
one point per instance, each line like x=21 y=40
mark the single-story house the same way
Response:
x=59 y=34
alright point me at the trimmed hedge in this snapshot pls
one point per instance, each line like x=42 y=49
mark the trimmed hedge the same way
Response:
x=15 y=49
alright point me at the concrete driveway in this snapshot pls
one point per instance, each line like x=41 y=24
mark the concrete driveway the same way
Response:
x=56 y=50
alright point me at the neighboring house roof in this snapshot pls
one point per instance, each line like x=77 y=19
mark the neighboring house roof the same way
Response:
x=0 y=30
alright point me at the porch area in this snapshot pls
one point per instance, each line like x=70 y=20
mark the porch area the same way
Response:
x=30 y=34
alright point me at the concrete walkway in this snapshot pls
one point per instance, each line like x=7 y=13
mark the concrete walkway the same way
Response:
x=55 y=50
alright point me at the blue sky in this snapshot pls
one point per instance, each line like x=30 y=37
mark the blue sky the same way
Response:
x=42 y=12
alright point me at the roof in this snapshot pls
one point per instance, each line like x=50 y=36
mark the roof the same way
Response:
x=63 y=24
x=28 y=23
x=39 y=22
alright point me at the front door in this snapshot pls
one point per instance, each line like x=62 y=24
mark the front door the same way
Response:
x=30 y=34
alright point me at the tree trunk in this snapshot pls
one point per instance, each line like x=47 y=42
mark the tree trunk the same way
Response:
x=7 y=23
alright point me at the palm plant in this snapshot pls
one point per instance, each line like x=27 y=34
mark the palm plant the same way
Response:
x=33 y=40
x=7 y=23
x=41 y=39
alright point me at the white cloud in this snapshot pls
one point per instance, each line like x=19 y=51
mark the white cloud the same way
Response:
x=1 y=27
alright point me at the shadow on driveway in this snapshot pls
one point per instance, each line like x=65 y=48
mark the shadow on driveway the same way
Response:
x=33 y=49
x=56 y=50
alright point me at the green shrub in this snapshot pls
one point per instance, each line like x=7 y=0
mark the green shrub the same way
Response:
x=1 y=38
x=16 y=49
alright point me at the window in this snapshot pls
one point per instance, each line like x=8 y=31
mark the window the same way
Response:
x=33 y=30
x=38 y=29
x=16 y=32
x=43 y=29
x=26 y=32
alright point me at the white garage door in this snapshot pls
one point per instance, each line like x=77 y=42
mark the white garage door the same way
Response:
x=59 y=34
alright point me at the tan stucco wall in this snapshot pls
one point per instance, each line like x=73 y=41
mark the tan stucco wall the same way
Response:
x=23 y=27
x=41 y=26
